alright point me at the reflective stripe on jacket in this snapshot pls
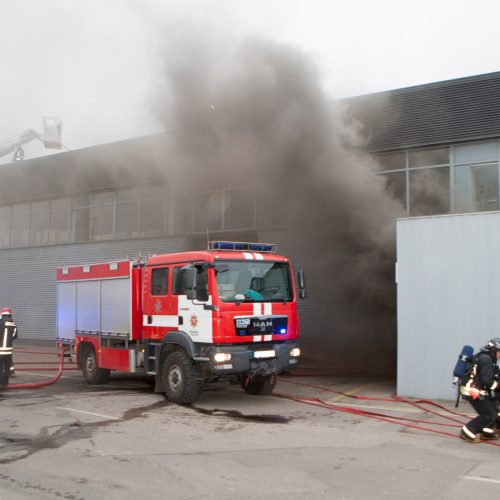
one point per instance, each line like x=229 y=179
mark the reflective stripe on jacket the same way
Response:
x=8 y=332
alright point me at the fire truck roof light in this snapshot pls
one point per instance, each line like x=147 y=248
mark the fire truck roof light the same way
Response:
x=243 y=246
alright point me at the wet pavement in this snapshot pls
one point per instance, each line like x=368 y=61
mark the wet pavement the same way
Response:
x=312 y=439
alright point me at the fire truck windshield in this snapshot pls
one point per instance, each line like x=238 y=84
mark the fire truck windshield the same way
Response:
x=254 y=281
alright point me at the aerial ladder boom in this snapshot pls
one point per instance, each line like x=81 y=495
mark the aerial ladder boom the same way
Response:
x=51 y=137
x=16 y=146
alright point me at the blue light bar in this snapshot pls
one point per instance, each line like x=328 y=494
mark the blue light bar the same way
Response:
x=241 y=246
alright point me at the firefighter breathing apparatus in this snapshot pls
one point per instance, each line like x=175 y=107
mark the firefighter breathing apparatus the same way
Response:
x=465 y=372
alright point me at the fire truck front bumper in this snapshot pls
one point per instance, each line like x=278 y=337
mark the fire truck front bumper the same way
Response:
x=266 y=359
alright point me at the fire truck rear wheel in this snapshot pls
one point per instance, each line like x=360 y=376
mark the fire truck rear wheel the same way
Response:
x=181 y=378
x=92 y=374
x=260 y=387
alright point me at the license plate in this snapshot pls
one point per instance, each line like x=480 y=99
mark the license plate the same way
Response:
x=264 y=354
x=261 y=325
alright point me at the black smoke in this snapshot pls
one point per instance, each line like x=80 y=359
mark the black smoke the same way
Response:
x=254 y=113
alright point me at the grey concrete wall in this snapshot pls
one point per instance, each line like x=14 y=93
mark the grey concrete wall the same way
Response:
x=28 y=283
x=329 y=339
x=448 y=274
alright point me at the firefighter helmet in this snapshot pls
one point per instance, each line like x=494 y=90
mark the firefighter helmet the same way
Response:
x=6 y=311
x=493 y=345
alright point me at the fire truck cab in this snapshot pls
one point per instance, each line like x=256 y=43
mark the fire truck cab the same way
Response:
x=186 y=318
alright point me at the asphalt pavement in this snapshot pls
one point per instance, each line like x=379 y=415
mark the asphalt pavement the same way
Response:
x=311 y=440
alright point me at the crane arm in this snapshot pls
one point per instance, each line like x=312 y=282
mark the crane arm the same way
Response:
x=12 y=146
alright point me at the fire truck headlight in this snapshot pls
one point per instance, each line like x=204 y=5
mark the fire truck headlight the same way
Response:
x=220 y=357
x=295 y=352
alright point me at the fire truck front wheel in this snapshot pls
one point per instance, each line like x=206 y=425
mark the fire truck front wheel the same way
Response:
x=92 y=374
x=182 y=378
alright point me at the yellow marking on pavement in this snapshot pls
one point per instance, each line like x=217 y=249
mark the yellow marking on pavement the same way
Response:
x=37 y=374
x=350 y=393
x=398 y=409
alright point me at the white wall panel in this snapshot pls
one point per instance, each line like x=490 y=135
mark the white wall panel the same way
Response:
x=448 y=273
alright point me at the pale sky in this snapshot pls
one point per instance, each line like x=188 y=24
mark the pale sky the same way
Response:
x=96 y=63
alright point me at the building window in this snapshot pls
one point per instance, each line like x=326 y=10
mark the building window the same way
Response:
x=391 y=161
x=20 y=226
x=132 y=213
x=180 y=215
x=428 y=157
x=59 y=220
x=152 y=217
x=80 y=224
x=396 y=186
x=39 y=229
x=80 y=218
x=127 y=220
x=476 y=188
x=476 y=152
x=58 y=227
x=5 y=218
x=430 y=191
x=153 y=211
x=102 y=216
x=102 y=222
x=39 y=224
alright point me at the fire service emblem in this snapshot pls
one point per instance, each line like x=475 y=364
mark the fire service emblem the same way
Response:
x=193 y=321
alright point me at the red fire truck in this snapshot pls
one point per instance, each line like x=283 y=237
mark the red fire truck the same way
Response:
x=187 y=318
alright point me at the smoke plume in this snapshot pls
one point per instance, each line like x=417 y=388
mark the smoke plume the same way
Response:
x=254 y=114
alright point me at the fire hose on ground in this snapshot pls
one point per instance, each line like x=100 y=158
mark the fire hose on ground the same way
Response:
x=401 y=421
x=314 y=401
x=33 y=385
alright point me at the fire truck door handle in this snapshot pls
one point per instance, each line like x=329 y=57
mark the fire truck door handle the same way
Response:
x=150 y=319
x=181 y=320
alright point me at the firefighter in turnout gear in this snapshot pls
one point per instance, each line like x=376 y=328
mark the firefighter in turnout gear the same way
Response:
x=8 y=332
x=479 y=387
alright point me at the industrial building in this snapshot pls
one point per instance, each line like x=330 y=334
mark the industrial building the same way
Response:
x=436 y=144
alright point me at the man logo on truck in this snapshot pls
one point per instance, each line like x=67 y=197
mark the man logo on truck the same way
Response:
x=184 y=318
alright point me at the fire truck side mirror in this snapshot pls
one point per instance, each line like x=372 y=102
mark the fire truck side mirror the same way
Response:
x=301 y=282
x=189 y=282
x=301 y=279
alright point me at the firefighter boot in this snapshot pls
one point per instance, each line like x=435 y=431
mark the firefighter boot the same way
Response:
x=469 y=436
x=488 y=435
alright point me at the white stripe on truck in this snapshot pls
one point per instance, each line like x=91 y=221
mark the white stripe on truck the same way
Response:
x=160 y=320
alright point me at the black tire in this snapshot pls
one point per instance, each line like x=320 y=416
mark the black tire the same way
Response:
x=260 y=387
x=92 y=374
x=181 y=378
